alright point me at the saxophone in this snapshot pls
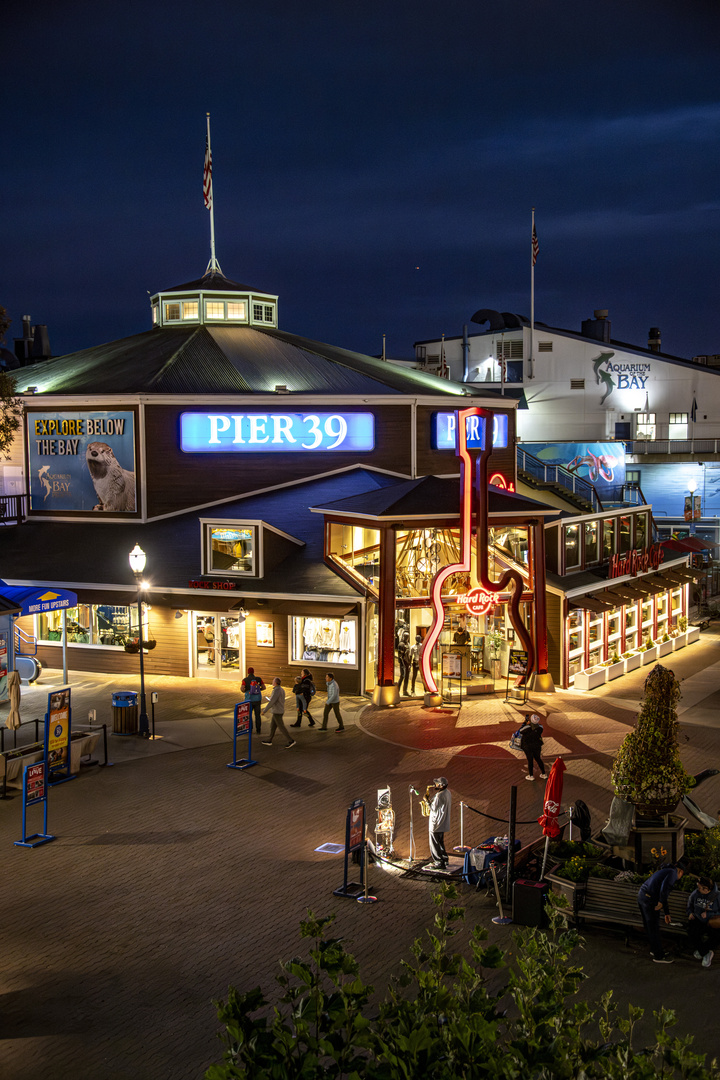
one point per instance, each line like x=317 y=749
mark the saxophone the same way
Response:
x=425 y=800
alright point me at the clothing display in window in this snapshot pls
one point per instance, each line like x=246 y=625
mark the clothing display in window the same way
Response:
x=326 y=641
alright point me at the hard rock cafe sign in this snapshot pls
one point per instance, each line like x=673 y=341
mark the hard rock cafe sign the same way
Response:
x=636 y=562
x=477 y=601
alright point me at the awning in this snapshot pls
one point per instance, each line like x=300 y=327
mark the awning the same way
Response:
x=34 y=601
x=590 y=603
x=618 y=594
x=653 y=584
x=311 y=609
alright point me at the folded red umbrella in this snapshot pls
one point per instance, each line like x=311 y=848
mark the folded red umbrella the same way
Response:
x=553 y=798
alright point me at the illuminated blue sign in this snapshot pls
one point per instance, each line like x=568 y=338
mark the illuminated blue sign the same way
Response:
x=445 y=437
x=207 y=433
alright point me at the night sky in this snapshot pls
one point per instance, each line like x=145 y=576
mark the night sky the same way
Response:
x=375 y=163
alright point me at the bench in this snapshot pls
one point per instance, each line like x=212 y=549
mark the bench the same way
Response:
x=615 y=902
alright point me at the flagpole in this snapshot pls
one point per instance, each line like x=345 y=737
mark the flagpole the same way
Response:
x=213 y=267
x=532 y=294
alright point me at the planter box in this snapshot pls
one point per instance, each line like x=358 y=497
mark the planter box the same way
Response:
x=573 y=891
x=649 y=656
x=693 y=634
x=632 y=662
x=664 y=647
x=614 y=670
x=589 y=679
x=680 y=641
x=616 y=902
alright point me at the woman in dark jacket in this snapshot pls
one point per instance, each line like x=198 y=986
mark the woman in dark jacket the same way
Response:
x=304 y=692
x=531 y=742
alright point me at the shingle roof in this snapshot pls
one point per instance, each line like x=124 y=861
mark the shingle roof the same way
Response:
x=224 y=360
x=214 y=281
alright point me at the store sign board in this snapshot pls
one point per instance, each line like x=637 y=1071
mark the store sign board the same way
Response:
x=221 y=585
x=477 y=601
x=445 y=434
x=636 y=562
x=82 y=460
x=263 y=433
x=57 y=730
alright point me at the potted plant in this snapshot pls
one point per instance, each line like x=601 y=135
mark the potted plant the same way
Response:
x=664 y=645
x=131 y=645
x=569 y=880
x=590 y=678
x=616 y=665
x=648 y=651
x=631 y=660
x=647 y=770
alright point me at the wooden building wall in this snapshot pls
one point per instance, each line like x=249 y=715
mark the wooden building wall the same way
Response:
x=431 y=462
x=169 y=657
x=555 y=631
x=176 y=480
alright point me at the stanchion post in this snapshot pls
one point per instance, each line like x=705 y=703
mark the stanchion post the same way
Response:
x=365 y=899
x=511 y=842
x=502 y=919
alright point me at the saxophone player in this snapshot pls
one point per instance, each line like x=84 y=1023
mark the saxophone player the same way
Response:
x=439 y=823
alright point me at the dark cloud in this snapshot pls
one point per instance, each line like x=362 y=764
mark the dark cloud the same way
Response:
x=355 y=142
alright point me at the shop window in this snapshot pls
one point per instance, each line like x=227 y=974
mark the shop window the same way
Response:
x=641 y=534
x=91 y=624
x=172 y=312
x=357 y=552
x=645 y=426
x=325 y=641
x=608 y=539
x=572 y=546
x=678 y=426
x=236 y=310
x=592 y=542
x=630 y=617
x=231 y=549
x=214 y=309
x=190 y=309
x=419 y=554
x=595 y=631
x=625 y=533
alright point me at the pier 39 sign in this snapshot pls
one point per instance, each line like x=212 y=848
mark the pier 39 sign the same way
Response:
x=207 y=433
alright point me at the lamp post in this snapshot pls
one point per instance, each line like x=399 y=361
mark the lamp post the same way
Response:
x=137 y=565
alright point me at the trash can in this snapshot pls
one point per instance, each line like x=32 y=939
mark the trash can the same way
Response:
x=125 y=712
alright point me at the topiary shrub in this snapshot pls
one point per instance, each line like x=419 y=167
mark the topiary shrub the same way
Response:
x=647 y=770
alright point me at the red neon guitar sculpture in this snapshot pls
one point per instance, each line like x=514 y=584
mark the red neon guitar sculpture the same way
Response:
x=479 y=421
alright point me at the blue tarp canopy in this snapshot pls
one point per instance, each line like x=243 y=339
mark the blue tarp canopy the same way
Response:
x=34 y=601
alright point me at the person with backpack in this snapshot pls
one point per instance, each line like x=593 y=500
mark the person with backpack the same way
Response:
x=252 y=687
x=531 y=743
x=304 y=692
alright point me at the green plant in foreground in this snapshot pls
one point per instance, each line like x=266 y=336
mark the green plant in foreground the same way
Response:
x=439 y=1020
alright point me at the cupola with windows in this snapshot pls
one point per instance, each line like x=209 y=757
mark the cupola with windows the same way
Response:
x=214 y=300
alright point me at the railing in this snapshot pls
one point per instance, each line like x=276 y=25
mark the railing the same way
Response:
x=22 y=638
x=629 y=494
x=13 y=509
x=672 y=446
x=558 y=474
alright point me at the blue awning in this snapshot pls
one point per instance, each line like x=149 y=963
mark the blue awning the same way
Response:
x=34 y=601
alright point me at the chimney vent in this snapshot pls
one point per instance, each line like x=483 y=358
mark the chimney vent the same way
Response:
x=597 y=328
x=654 y=340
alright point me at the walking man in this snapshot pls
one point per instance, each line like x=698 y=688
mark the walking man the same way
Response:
x=252 y=687
x=439 y=823
x=531 y=742
x=276 y=707
x=333 y=702
x=304 y=690
x=652 y=899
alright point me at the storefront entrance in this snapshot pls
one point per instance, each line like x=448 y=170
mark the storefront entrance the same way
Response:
x=218 y=646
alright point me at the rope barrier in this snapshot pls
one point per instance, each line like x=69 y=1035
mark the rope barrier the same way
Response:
x=506 y=821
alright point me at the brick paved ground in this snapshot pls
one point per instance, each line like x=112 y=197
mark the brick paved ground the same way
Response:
x=173 y=876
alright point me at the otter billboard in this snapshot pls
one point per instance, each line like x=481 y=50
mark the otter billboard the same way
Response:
x=82 y=461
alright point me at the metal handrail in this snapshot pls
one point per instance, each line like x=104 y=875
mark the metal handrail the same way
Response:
x=23 y=638
x=558 y=474
x=13 y=509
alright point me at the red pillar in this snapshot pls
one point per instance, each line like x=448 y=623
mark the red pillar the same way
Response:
x=386 y=609
x=541 y=648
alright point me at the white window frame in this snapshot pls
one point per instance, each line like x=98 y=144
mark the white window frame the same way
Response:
x=207 y=524
x=646 y=426
x=678 y=426
x=217 y=303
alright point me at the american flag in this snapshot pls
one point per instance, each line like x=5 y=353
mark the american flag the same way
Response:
x=207 y=176
x=535 y=246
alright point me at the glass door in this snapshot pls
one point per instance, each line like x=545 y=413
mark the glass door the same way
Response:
x=218 y=644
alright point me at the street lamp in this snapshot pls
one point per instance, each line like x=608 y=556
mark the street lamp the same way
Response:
x=137 y=565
